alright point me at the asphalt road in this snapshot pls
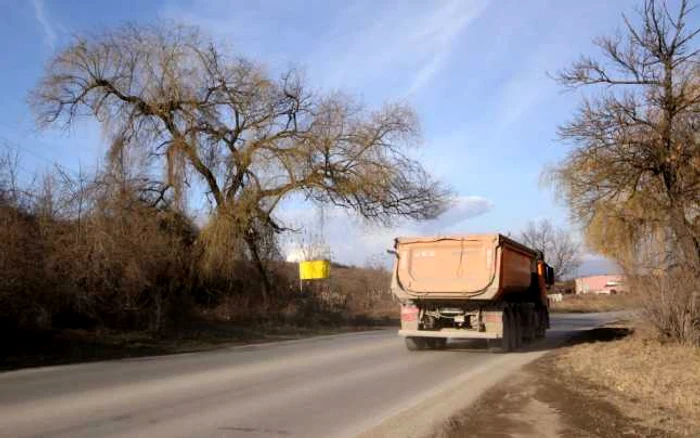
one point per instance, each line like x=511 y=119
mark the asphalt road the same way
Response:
x=343 y=385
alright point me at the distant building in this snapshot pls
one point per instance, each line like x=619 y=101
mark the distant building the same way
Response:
x=601 y=284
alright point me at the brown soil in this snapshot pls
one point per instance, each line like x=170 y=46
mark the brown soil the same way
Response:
x=547 y=400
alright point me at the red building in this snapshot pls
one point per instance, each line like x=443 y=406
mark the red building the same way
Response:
x=600 y=284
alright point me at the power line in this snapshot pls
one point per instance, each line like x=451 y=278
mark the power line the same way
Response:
x=22 y=150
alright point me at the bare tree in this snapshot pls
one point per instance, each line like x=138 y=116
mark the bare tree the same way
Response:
x=561 y=251
x=11 y=192
x=252 y=139
x=633 y=174
x=634 y=168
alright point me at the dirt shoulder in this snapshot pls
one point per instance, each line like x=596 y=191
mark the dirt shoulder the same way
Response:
x=605 y=383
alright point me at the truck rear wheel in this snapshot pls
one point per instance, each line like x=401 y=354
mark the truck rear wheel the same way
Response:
x=416 y=344
x=530 y=325
x=518 y=329
x=541 y=327
x=508 y=338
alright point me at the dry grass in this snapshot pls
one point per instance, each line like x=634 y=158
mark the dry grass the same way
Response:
x=605 y=383
x=595 y=303
x=671 y=304
x=658 y=383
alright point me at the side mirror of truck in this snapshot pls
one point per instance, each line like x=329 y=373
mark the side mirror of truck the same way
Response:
x=549 y=275
x=392 y=252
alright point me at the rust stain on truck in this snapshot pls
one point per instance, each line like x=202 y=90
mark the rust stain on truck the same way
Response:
x=483 y=286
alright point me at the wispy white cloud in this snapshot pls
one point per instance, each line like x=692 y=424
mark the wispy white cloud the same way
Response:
x=398 y=42
x=438 y=35
x=43 y=19
x=463 y=208
x=529 y=86
x=354 y=45
x=547 y=50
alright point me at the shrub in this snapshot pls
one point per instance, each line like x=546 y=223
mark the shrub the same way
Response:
x=671 y=304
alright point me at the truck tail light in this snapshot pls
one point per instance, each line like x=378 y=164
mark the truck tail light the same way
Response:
x=409 y=312
x=492 y=317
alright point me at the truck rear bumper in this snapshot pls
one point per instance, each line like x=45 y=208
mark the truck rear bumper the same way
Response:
x=450 y=333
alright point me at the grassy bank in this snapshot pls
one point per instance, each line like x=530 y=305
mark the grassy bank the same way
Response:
x=594 y=303
x=608 y=382
x=75 y=346
x=656 y=383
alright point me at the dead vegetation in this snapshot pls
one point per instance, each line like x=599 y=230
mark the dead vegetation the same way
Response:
x=632 y=174
x=89 y=264
x=173 y=98
x=68 y=346
x=671 y=305
x=655 y=382
x=606 y=383
x=557 y=244
x=632 y=179
x=188 y=124
x=595 y=303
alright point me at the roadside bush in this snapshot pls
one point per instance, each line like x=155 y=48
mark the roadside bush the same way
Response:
x=102 y=253
x=22 y=284
x=118 y=263
x=671 y=304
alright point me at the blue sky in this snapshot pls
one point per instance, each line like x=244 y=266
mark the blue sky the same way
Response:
x=476 y=72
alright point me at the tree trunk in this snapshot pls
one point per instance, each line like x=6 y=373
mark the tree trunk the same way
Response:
x=260 y=266
x=687 y=241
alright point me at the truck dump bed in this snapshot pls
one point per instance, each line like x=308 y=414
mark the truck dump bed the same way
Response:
x=474 y=266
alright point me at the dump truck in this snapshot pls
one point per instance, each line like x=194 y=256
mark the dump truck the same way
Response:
x=477 y=286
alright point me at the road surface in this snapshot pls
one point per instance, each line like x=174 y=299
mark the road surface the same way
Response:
x=344 y=385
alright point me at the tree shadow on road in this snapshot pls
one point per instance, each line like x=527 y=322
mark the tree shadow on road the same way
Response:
x=553 y=341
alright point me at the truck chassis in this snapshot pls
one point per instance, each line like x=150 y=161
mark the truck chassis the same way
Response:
x=428 y=325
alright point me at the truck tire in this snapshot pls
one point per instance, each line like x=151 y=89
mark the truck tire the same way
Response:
x=518 y=329
x=507 y=340
x=541 y=327
x=529 y=325
x=416 y=344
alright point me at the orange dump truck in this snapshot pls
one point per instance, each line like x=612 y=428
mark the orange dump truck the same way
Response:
x=480 y=286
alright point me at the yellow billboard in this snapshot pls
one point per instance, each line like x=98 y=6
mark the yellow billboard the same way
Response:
x=314 y=269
